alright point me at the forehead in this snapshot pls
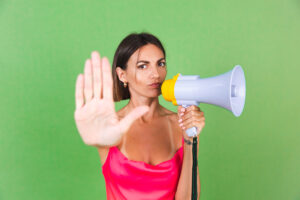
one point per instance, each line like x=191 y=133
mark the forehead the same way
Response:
x=148 y=52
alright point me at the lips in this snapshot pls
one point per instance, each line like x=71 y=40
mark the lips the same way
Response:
x=155 y=85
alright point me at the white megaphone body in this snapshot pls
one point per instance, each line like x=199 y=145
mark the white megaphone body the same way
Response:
x=227 y=90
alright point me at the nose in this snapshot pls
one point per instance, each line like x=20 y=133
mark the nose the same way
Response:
x=154 y=72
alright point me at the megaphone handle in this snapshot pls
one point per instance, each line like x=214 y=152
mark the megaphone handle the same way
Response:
x=191 y=132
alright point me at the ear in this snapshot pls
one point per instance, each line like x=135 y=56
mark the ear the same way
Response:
x=121 y=74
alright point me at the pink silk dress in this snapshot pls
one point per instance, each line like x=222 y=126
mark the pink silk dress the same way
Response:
x=137 y=180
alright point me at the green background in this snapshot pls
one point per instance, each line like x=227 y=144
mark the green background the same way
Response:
x=43 y=48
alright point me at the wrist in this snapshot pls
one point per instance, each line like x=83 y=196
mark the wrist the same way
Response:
x=189 y=138
x=188 y=141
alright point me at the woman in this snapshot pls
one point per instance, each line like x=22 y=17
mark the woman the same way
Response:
x=144 y=150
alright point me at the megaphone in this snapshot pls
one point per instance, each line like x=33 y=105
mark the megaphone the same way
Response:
x=227 y=90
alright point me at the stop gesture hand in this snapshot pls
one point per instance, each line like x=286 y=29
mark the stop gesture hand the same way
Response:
x=95 y=116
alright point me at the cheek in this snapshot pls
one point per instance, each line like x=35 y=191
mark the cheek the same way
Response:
x=133 y=76
x=163 y=73
x=140 y=79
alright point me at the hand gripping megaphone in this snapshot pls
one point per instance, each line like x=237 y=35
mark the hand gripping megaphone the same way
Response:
x=227 y=90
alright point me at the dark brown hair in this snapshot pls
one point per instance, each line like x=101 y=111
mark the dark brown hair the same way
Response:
x=126 y=48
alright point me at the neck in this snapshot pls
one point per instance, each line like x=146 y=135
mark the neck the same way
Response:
x=154 y=108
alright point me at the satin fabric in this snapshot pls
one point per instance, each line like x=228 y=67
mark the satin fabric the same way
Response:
x=137 y=180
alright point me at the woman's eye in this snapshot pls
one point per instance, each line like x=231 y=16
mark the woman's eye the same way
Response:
x=162 y=64
x=142 y=66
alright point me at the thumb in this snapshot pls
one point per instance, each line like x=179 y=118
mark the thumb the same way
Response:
x=178 y=110
x=126 y=122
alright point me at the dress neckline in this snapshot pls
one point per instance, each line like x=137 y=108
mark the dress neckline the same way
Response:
x=147 y=164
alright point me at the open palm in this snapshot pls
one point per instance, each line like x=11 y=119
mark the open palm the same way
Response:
x=95 y=115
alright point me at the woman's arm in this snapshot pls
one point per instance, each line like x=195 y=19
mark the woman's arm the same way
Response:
x=184 y=187
x=189 y=117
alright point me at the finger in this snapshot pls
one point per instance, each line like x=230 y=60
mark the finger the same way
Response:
x=179 y=109
x=197 y=124
x=126 y=122
x=88 y=82
x=192 y=114
x=191 y=120
x=97 y=75
x=107 y=80
x=180 y=112
x=192 y=107
x=79 y=98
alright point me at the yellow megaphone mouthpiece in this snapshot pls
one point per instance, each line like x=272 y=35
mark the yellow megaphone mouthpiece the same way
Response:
x=168 y=89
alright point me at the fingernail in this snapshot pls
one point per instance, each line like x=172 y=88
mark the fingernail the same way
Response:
x=182 y=109
x=181 y=114
x=180 y=120
x=181 y=124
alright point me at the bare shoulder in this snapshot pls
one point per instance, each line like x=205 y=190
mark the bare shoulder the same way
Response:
x=173 y=117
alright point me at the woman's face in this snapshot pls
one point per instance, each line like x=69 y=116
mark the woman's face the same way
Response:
x=146 y=66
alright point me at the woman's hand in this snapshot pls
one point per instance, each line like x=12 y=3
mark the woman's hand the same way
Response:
x=95 y=116
x=190 y=117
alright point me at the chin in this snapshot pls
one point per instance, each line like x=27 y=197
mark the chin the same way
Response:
x=153 y=95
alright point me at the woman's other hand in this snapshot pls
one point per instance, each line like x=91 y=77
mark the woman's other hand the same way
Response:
x=95 y=115
x=191 y=117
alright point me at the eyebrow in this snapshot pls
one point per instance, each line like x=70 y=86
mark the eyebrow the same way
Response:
x=145 y=61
